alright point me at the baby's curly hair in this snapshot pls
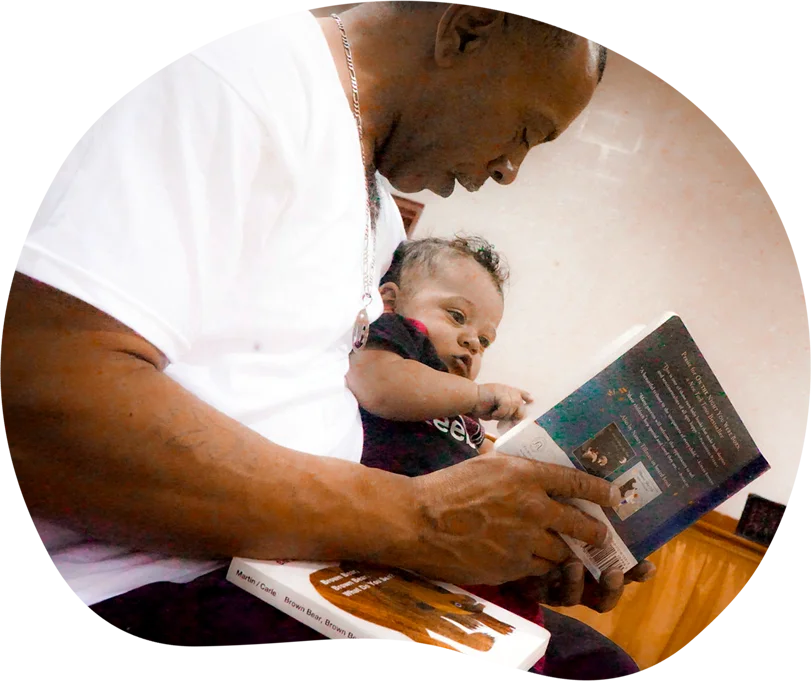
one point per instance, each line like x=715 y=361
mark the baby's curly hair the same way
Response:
x=426 y=254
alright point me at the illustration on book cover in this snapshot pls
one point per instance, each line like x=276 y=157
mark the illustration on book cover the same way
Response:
x=409 y=604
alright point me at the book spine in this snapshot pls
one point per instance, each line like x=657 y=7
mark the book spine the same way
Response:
x=299 y=607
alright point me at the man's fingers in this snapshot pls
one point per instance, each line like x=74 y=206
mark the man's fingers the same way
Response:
x=572 y=584
x=561 y=481
x=574 y=523
x=529 y=588
x=641 y=572
x=527 y=397
x=540 y=567
x=552 y=548
x=612 y=584
x=605 y=595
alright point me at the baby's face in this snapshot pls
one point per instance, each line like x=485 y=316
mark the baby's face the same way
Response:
x=461 y=308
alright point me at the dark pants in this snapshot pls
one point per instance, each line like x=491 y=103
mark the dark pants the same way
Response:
x=211 y=611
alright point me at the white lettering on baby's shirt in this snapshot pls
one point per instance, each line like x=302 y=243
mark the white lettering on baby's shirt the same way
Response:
x=455 y=428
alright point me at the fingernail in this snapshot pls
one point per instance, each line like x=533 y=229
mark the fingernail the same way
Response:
x=607 y=539
x=614 y=496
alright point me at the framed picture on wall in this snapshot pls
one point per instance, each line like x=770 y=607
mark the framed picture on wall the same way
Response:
x=411 y=211
x=760 y=519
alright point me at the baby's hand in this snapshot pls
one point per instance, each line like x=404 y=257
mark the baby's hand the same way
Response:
x=498 y=402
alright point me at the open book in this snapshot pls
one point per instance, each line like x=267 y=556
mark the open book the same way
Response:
x=347 y=600
x=657 y=423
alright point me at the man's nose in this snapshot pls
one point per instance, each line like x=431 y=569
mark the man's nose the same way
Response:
x=503 y=170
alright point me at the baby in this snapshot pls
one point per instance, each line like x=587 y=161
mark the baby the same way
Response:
x=415 y=380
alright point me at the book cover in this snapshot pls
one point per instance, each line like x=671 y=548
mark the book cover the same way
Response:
x=350 y=600
x=657 y=423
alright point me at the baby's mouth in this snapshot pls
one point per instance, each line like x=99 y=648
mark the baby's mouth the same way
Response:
x=462 y=364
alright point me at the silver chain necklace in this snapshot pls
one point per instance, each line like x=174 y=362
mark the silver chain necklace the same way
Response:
x=360 y=332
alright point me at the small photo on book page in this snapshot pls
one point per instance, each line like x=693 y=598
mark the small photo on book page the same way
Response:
x=605 y=453
x=638 y=488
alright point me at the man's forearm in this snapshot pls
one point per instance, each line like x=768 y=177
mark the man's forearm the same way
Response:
x=187 y=480
x=102 y=440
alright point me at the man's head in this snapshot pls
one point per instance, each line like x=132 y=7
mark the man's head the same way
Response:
x=455 y=288
x=477 y=89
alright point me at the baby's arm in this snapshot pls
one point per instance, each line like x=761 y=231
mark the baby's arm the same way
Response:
x=392 y=387
x=399 y=389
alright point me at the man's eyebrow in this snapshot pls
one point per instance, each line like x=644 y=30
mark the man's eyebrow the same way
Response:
x=601 y=61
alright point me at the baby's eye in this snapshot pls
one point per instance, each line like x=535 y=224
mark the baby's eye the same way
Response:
x=457 y=316
x=484 y=342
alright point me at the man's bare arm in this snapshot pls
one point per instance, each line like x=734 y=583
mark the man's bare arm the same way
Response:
x=102 y=439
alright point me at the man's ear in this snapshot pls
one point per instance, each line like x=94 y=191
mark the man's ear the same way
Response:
x=389 y=292
x=463 y=30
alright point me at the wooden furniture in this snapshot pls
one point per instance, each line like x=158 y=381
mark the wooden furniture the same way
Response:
x=699 y=573
x=410 y=211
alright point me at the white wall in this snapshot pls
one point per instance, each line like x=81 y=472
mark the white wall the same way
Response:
x=645 y=206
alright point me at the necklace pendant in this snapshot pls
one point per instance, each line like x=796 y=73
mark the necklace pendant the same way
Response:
x=360 y=332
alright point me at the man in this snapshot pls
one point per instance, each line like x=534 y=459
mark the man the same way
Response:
x=178 y=332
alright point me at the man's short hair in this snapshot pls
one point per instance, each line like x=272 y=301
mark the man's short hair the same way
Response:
x=557 y=37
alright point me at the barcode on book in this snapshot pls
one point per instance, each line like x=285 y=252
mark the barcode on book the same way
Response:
x=598 y=559
x=605 y=558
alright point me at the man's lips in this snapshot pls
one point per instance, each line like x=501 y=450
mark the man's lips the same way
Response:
x=446 y=189
x=469 y=183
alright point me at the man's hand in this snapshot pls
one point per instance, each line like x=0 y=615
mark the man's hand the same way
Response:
x=571 y=584
x=491 y=520
x=498 y=402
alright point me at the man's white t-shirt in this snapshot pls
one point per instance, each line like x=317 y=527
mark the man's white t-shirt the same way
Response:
x=219 y=210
